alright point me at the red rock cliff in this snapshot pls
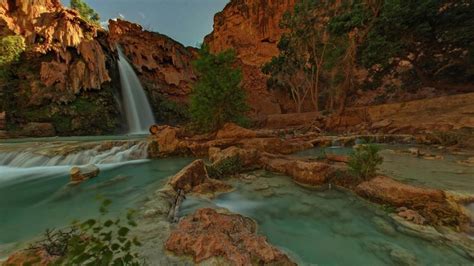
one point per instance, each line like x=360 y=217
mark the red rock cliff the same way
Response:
x=251 y=28
x=66 y=47
x=164 y=65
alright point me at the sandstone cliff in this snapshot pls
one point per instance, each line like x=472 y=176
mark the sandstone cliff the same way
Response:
x=162 y=64
x=251 y=28
x=65 y=75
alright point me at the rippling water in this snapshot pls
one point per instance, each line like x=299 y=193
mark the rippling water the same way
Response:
x=327 y=227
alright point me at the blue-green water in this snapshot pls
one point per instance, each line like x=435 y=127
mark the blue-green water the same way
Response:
x=326 y=227
x=35 y=195
x=446 y=174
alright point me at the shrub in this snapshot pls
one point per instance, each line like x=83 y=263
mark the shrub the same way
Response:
x=93 y=242
x=86 y=12
x=225 y=167
x=217 y=97
x=11 y=47
x=364 y=161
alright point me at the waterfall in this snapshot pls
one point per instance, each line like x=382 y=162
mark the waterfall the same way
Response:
x=137 y=108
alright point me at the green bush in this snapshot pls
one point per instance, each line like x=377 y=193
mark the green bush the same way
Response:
x=217 y=97
x=364 y=161
x=85 y=11
x=93 y=242
x=227 y=167
x=11 y=47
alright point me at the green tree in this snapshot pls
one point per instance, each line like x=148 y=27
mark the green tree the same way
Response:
x=11 y=47
x=85 y=11
x=217 y=97
x=364 y=161
x=436 y=37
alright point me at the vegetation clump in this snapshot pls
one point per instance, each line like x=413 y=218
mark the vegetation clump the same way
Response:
x=93 y=242
x=327 y=42
x=226 y=167
x=217 y=97
x=86 y=12
x=11 y=47
x=364 y=161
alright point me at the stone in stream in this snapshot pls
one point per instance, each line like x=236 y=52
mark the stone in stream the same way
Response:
x=207 y=234
x=83 y=173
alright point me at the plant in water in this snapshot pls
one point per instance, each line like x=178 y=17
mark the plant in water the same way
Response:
x=364 y=161
x=93 y=242
x=226 y=167
x=217 y=98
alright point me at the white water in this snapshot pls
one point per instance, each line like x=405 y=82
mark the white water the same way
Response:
x=137 y=108
x=29 y=164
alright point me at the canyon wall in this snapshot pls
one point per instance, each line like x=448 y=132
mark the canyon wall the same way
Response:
x=251 y=28
x=66 y=76
x=162 y=64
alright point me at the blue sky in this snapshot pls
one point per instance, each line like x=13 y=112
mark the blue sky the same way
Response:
x=186 y=21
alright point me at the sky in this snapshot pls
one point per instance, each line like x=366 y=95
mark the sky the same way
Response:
x=186 y=21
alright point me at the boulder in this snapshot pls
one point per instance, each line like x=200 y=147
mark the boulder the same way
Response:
x=275 y=145
x=233 y=131
x=308 y=173
x=431 y=204
x=248 y=157
x=337 y=158
x=83 y=173
x=194 y=178
x=207 y=234
x=164 y=142
x=38 y=130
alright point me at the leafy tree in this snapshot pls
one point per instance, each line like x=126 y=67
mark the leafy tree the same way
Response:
x=85 y=11
x=364 y=161
x=11 y=47
x=436 y=37
x=217 y=98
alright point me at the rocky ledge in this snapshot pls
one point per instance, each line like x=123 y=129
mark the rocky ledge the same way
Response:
x=208 y=234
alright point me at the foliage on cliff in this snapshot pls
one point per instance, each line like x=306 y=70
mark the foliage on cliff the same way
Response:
x=11 y=48
x=328 y=42
x=217 y=97
x=86 y=11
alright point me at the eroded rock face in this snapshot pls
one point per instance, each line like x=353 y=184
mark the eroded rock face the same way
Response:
x=77 y=60
x=431 y=204
x=163 y=65
x=207 y=234
x=251 y=28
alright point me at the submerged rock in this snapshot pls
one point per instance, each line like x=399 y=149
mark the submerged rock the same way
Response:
x=208 y=234
x=83 y=173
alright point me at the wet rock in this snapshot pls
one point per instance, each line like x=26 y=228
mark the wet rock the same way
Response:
x=467 y=162
x=207 y=234
x=411 y=215
x=394 y=253
x=337 y=158
x=164 y=142
x=431 y=204
x=30 y=257
x=233 y=131
x=248 y=157
x=38 y=130
x=383 y=226
x=83 y=173
x=194 y=178
x=309 y=173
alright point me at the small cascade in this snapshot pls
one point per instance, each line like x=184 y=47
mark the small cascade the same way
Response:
x=137 y=108
x=98 y=155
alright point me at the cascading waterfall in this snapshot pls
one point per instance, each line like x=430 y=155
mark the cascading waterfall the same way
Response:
x=137 y=108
